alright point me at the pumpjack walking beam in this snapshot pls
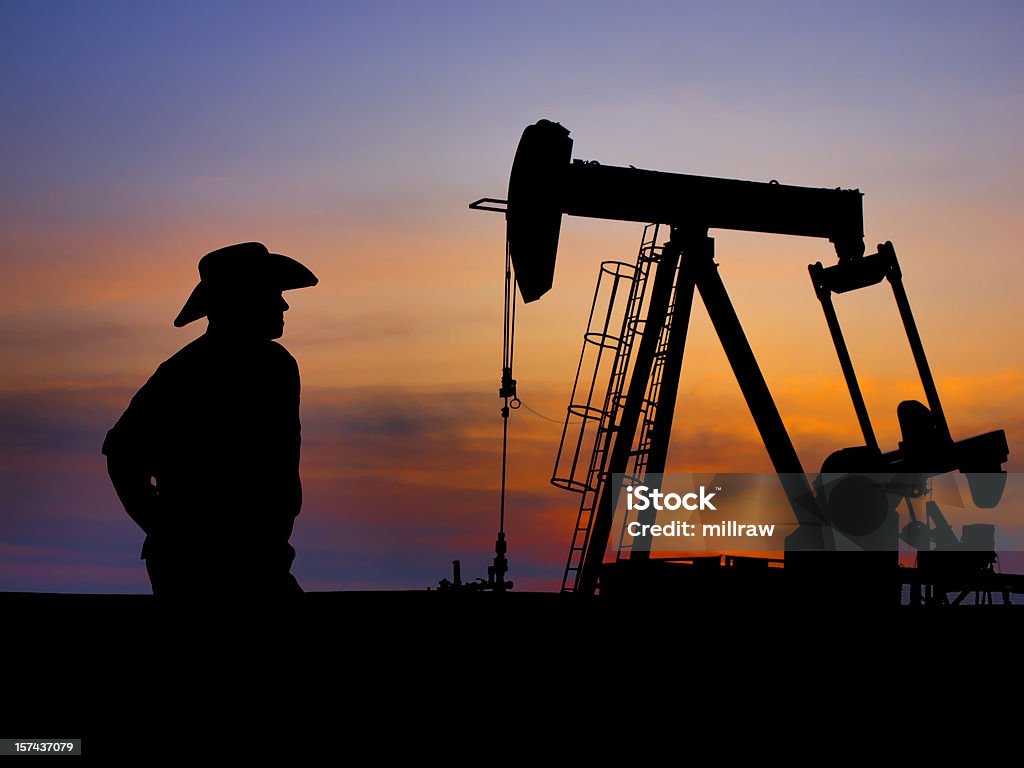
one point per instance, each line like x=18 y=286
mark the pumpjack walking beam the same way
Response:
x=546 y=183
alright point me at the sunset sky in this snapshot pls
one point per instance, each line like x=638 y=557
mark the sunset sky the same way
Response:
x=137 y=136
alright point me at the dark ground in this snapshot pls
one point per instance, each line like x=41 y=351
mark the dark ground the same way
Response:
x=135 y=677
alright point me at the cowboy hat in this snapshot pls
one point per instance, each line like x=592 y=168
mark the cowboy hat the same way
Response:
x=235 y=268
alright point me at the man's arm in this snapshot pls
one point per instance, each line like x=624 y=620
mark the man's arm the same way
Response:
x=293 y=440
x=282 y=432
x=135 y=489
x=129 y=450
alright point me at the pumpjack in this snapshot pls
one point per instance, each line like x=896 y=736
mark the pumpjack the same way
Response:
x=630 y=423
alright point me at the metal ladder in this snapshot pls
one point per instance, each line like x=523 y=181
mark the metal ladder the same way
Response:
x=641 y=453
x=592 y=487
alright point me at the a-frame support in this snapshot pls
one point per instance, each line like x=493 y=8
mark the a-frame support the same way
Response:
x=688 y=264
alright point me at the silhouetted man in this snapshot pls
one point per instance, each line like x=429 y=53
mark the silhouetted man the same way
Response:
x=206 y=457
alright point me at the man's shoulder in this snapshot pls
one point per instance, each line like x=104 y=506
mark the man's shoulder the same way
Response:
x=152 y=403
x=205 y=352
x=283 y=362
x=278 y=352
x=188 y=356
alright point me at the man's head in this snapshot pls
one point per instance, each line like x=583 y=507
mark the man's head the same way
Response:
x=240 y=290
x=256 y=313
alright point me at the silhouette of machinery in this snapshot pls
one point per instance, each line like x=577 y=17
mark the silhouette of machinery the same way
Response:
x=624 y=428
